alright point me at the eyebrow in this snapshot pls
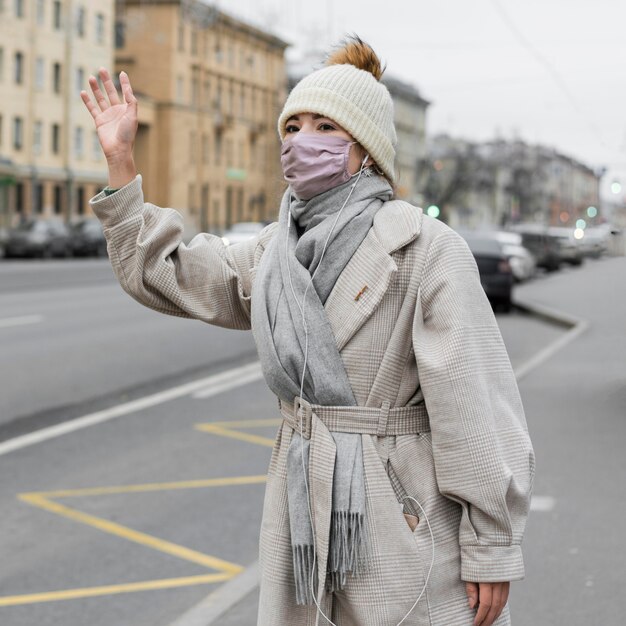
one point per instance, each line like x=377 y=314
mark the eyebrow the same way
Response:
x=316 y=116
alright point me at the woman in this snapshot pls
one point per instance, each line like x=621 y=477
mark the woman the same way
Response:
x=400 y=480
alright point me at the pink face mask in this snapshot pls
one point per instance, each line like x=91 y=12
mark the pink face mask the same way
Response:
x=314 y=163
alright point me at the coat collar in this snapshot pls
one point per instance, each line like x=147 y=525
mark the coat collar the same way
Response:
x=367 y=276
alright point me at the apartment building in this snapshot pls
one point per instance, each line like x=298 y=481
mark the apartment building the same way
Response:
x=210 y=88
x=50 y=160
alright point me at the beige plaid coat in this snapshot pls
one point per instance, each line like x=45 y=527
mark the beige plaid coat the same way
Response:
x=421 y=333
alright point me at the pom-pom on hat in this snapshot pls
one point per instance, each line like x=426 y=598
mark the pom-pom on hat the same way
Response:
x=348 y=91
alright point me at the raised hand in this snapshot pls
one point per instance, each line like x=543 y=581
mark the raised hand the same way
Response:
x=116 y=125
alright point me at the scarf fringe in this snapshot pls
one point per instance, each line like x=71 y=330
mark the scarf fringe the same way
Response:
x=346 y=547
x=303 y=573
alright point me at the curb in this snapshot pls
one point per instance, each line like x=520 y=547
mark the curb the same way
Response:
x=218 y=603
x=215 y=605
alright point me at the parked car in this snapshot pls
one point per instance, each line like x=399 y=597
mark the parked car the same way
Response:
x=242 y=231
x=4 y=234
x=88 y=238
x=570 y=249
x=595 y=241
x=522 y=260
x=544 y=248
x=39 y=238
x=494 y=267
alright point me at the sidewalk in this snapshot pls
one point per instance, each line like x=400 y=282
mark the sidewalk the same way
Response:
x=575 y=403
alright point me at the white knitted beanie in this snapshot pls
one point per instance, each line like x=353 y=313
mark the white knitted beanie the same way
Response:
x=354 y=99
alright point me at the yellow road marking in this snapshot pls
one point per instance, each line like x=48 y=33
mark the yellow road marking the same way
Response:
x=90 y=592
x=227 y=429
x=132 y=535
x=185 y=484
x=236 y=434
x=248 y=423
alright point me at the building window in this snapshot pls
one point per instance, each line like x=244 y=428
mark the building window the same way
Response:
x=18 y=133
x=120 y=34
x=207 y=93
x=1 y=63
x=58 y=199
x=181 y=36
x=194 y=42
x=55 y=143
x=180 y=89
x=99 y=28
x=80 y=21
x=39 y=198
x=194 y=91
x=192 y=147
x=229 y=206
x=80 y=79
x=205 y=148
x=19 y=198
x=56 y=78
x=218 y=148
x=19 y=68
x=18 y=6
x=96 y=149
x=78 y=142
x=39 y=73
x=80 y=200
x=37 y=137
x=57 y=15
x=192 y=198
x=41 y=12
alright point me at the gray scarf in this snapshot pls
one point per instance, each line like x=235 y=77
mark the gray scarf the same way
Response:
x=287 y=265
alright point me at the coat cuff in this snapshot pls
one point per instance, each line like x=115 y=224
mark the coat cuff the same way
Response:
x=125 y=203
x=491 y=564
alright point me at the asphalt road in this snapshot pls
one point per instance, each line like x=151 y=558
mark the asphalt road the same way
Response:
x=133 y=520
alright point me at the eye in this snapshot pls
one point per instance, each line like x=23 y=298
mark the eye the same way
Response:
x=326 y=127
x=290 y=128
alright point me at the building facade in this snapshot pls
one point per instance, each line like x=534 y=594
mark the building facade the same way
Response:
x=501 y=182
x=50 y=159
x=210 y=88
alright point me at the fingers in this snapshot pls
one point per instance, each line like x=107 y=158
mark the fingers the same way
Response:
x=91 y=107
x=484 y=604
x=95 y=88
x=109 y=87
x=127 y=90
x=471 y=589
x=492 y=598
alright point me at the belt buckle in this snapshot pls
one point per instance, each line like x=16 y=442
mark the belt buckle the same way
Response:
x=298 y=405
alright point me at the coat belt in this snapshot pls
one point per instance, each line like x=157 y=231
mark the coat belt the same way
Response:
x=383 y=421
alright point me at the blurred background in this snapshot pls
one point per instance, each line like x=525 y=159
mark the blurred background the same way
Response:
x=511 y=129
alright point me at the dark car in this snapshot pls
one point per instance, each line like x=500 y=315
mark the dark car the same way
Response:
x=496 y=275
x=39 y=238
x=88 y=238
x=544 y=247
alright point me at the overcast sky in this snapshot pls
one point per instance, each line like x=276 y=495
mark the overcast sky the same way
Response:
x=547 y=71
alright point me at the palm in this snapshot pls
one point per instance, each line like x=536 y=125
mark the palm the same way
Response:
x=116 y=128
x=115 y=120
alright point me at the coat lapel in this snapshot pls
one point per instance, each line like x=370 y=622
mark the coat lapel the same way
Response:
x=365 y=279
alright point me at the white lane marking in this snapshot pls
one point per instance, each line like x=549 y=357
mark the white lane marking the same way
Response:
x=541 y=503
x=576 y=327
x=214 y=606
x=249 y=375
x=20 y=321
x=210 y=386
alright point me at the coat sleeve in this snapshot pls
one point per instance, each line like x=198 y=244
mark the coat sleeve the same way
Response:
x=482 y=452
x=203 y=280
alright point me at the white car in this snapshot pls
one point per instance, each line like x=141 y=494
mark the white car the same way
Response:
x=523 y=263
x=242 y=231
